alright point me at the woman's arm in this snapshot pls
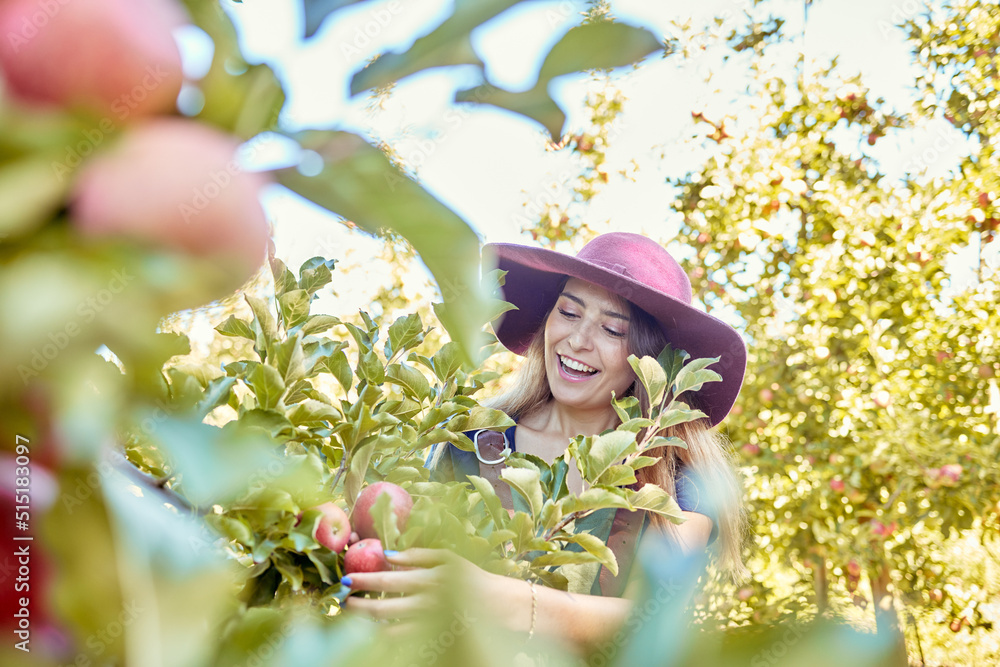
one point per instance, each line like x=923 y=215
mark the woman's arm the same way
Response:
x=578 y=619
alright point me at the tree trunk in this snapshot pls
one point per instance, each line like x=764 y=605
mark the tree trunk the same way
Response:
x=886 y=619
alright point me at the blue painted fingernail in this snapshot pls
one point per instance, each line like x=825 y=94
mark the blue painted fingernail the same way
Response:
x=390 y=553
x=346 y=581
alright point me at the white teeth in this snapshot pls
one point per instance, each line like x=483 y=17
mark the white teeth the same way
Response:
x=576 y=365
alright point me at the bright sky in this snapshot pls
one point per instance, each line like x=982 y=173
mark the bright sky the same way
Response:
x=486 y=164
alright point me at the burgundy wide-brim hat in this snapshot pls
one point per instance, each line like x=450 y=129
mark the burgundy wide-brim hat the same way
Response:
x=637 y=269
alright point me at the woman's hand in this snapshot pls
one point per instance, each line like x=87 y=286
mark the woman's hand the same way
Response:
x=418 y=580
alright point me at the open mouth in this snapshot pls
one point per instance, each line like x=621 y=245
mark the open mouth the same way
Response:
x=576 y=369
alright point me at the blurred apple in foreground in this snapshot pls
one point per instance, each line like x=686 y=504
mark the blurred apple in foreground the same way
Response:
x=175 y=184
x=363 y=522
x=115 y=58
x=365 y=556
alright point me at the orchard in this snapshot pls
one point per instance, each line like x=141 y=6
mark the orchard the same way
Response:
x=171 y=501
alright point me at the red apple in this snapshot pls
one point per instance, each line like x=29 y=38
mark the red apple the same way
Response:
x=361 y=517
x=853 y=569
x=744 y=593
x=750 y=449
x=333 y=530
x=837 y=485
x=766 y=395
x=937 y=595
x=115 y=58
x=882 y=530
x=365 y=556
x=175 y=184
x=950 y=474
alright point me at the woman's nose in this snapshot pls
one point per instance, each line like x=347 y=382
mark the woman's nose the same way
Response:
x=580 y=338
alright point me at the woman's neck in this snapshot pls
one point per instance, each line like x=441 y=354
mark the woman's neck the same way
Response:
x=566 y=422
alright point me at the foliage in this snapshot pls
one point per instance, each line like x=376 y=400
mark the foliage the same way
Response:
x=868 y=423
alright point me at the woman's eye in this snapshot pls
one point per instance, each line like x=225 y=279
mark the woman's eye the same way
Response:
x=615 y=333
x=566 y=313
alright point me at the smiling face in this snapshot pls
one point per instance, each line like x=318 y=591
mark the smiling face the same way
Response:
x=586 y=347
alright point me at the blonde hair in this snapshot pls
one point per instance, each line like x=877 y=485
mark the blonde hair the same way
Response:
x=708 y=457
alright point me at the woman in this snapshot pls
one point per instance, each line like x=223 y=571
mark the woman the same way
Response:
x=577 y=321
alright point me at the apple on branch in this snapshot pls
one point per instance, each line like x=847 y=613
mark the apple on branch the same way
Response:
x=333 y=530
x=361 y=517
x=365 y=556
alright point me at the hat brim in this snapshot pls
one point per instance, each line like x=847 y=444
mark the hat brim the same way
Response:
x=532 y=285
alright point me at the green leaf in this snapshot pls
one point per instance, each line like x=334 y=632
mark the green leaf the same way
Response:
x=447 y=361
x=294 y=308
x=605 y=450
x=359 y=183
x=32 y=190
x=694 y=375
x=626 y=408
x=652 y=498
x=315 y=274
x=213 y=464
x=594 y=498
x=312 y=413
x=602 y=45
x=215 y=395
x=480 y=418
x=234 y=326
x=635 y=425
x=264 y=320
x=534 y=103
x=385 y=521
x=316 y=11
x=358 y=468
x=338 y=365
x=490 y=500
x=640 y=462
x=406 y=332
x=563 y=558
x=527 y=483
x=596 y=547
x=651 y=376
x=448 y=44
x=617 y=475
x=270 y=421
x=284 y=280
x=268 y=386
x=288 y=359
x=554 y=479
x=409 y=379
x=679 y=413
x=316 y=323
x=660 y=441
x=370 y=368
x=672 y=361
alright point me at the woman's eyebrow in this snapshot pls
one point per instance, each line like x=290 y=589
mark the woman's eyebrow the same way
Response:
x=608 y=313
